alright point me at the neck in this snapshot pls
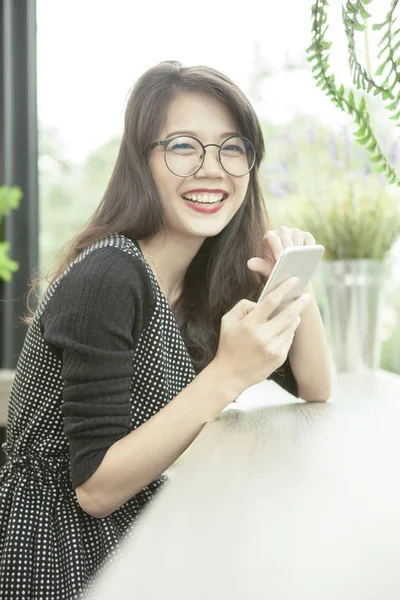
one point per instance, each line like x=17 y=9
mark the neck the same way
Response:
x=169 y=259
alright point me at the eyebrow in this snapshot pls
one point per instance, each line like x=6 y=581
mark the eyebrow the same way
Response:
x=226 y=134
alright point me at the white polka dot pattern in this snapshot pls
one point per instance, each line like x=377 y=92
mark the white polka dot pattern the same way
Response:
x=49 y=547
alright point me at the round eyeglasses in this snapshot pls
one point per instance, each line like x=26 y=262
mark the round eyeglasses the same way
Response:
x=184 y=155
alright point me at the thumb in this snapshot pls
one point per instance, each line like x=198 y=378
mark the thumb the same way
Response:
x=260 y=265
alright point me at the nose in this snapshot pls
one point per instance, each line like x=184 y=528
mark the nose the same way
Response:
x=211 y=166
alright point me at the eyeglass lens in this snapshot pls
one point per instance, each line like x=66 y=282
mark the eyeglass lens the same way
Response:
x=184 y=156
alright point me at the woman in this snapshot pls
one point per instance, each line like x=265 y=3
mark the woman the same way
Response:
x=148 y=330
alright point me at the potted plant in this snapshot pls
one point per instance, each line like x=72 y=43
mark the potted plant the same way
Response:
x=323 y=183
x=358 y=222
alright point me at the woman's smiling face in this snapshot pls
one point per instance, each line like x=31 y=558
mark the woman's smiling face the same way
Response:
x=209 y=120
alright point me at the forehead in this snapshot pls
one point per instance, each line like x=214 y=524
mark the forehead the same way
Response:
x=200 y=114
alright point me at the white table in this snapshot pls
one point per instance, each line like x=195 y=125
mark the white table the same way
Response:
x=372 y=385
x=278 y=499
x=366 y=385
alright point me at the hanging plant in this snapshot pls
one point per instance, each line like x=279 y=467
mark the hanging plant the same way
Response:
x=355 y=16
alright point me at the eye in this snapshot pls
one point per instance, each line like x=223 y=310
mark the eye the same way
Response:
x=181 y=146
x=233 y=149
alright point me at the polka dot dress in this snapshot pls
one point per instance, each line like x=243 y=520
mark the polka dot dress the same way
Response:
x=49 y=547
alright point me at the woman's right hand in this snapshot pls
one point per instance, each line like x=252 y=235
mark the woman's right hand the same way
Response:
x=251 y=347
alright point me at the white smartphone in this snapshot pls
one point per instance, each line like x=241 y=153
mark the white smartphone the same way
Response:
x=294 y=261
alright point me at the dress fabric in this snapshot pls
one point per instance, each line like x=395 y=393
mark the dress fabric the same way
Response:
x=49 y=547
x=103 y=354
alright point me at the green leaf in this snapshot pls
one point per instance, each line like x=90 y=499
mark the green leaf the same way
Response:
x=358 y=26
x=384 y=50
x=350 y=8
x=376 y=159
x=378 y=26
x=341 y=90
x=361 y=132
x=393 y=105
x=363 y=105
x=364 y=141
x=395 y=47
x=383 y=38
x=387 y=95
x=364 y=13
x=381 y=69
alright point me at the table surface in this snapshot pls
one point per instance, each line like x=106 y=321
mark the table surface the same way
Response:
x=279 y=499
x=371 y=384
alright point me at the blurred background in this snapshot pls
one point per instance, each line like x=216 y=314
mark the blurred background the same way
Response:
x=89 y=54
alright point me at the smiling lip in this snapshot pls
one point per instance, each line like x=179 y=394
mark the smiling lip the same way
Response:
x=205 y=208
x=206 y=191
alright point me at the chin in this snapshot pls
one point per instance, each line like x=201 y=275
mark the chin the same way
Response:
x=211 y=230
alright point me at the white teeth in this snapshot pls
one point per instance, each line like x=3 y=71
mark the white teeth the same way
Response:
x=205 y=198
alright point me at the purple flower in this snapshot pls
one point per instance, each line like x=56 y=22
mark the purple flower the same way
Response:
x=393 y=153
x=284 y=166
x=276 y=189
x=333 y=148
x=312 y=133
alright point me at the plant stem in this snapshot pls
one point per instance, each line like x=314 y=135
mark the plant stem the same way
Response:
x=367 y=49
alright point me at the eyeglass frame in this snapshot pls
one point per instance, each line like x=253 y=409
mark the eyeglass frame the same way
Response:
x=165 y=143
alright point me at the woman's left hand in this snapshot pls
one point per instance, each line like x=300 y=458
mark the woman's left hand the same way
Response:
x=274 y=243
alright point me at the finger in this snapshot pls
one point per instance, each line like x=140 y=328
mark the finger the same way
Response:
x=272 y=300
x=281 y=343
x=285 y=235
x=286 y=336
x=239 y=311
x=309 y=239
x=298 y=236
x=273 y=240
x=289 y=314
x=260 y=266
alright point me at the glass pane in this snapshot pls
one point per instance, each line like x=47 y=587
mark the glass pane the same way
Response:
x=237 y=156
x=183 y=155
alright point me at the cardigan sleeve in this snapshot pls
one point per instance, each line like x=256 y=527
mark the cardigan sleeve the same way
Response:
x=285 y=378
x=93 y=322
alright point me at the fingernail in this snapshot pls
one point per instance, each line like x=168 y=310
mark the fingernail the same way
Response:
x=294 y=280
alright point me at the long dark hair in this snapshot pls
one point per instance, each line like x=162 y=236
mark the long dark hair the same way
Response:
x=218 y=276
